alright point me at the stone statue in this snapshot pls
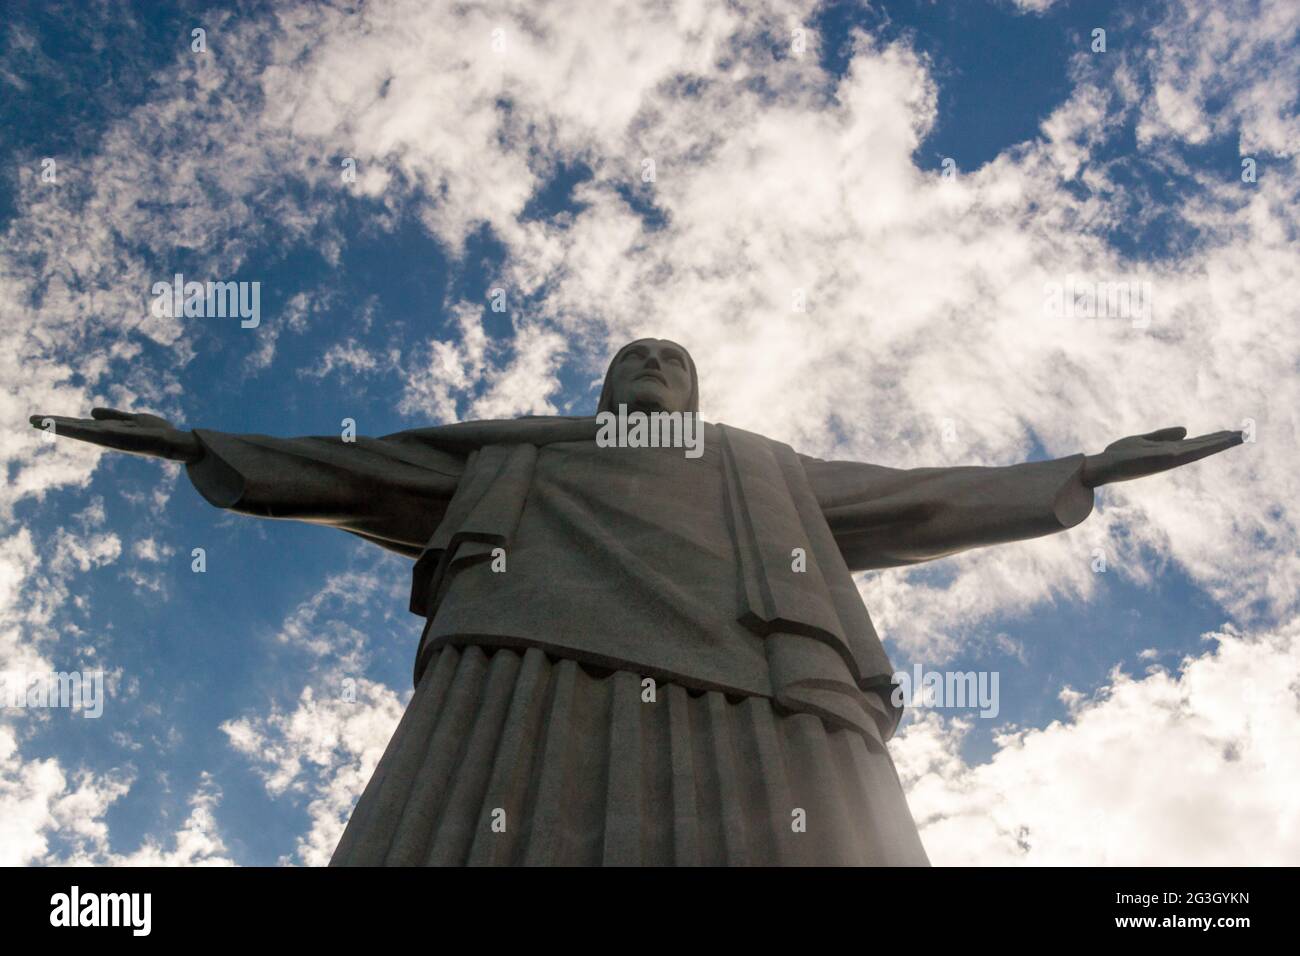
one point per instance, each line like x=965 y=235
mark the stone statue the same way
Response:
x=632 y=655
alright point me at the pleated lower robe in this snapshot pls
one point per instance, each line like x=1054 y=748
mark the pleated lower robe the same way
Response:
x=509 y=757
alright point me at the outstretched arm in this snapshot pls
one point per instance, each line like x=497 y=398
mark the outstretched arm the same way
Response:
x=391 y=491
x=887 y=517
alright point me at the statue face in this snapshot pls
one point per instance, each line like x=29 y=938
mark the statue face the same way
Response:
x=652 y=376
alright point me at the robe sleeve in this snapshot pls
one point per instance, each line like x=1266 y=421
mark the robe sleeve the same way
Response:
x=887 y=517
x=391 y=491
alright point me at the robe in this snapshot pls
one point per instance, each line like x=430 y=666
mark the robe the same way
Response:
x=630 y=656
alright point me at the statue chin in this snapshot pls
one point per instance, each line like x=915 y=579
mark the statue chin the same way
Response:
x=651 y=398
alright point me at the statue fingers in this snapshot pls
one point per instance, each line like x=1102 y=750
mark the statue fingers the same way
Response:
x=1176 y=433
x=82 y=429
x=1194 y=449
x=111 y=414
x=1218 y=441
x=60 y=423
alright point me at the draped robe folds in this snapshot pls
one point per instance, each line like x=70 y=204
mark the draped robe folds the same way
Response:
x=726 y=579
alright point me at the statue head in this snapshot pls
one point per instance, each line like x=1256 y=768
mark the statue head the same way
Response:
x=651 y=375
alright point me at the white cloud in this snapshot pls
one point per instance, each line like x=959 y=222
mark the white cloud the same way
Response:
x=294 y=318
x=516 y=380
x=435 y=382
x=40 y=800
x=149 y=549
x=320 y=625
x=1033 y=6
x=196 y=843
x=323 y=746
x=348 y=359
x=1239 y=55
x=325 y=749
x=84 y=552
x=1197 y=767
x=27 y=792
x=525 y=384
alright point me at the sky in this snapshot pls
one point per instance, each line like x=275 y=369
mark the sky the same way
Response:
x=918 y=175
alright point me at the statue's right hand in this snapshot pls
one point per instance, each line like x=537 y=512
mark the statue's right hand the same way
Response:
x=142 y=434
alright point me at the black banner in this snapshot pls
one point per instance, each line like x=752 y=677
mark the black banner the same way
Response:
x=908 y=907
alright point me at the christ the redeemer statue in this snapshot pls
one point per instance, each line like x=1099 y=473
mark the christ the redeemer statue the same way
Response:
x=632 y=655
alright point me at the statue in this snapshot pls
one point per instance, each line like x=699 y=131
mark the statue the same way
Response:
x=631 y=654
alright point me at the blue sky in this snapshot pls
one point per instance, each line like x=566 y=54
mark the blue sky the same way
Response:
x=223 y=740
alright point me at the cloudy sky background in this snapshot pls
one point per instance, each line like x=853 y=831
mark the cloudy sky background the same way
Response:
x=1149 y=713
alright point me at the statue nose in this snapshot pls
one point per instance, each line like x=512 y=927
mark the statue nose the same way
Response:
x=652 y=362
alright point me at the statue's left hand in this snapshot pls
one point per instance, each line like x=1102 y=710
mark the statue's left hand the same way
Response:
x=1140 y=455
